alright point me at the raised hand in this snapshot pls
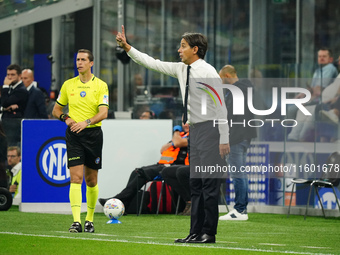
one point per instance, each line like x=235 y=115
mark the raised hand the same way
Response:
x=121 y=40
x=7 y=81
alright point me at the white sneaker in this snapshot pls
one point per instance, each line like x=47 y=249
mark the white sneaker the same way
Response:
x=234 y=215
x=330 y=116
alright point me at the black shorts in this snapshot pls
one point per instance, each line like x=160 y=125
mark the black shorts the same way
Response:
x=85 y=147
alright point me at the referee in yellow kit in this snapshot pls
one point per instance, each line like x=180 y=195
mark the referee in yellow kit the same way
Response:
x=87 y=98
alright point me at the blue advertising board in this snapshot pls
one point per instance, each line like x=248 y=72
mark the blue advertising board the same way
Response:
x=327 y=198
x=258 y=183
x=45 y=176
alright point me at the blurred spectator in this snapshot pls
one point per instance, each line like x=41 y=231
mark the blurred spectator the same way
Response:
x=147 y=115
x=14 y=163
x=3 y=151
x=36 y=105
x=240 y=139
x=14 y=98
x=333 y=114
x=178 y=177
x=324 y=74
x=322 y=77
x=303 y=131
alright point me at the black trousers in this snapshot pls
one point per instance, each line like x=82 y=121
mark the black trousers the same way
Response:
x=138 y=178
x=3 y=176
x=205 y=185
x=12 y=128
x=178 y=177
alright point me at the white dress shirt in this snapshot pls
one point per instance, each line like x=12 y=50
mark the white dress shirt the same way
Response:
x=33 y=84
x=13 y=87
x=203 y=79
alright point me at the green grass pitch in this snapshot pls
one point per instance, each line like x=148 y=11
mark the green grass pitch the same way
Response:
x=38 y=233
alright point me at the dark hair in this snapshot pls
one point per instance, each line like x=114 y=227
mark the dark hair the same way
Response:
x=199 y=40
x=14 y=67
x=327 y=49
x=89 y=53
x=152 y=115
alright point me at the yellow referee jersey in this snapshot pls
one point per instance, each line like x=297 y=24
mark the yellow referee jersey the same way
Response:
x=84 y=99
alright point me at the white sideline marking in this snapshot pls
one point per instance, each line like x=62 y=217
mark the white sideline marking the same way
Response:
x=96 y=234
x=314 y=247
x=143 y=237
x=211 y=246
x=273 y=244
x=226 y=242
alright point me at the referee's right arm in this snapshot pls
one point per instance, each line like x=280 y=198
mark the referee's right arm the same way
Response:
x=57 y=110
x=58 y=113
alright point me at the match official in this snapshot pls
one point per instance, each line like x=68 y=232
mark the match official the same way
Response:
x=87 y=98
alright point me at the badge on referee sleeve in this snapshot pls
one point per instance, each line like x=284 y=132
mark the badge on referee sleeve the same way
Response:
x=106 y=99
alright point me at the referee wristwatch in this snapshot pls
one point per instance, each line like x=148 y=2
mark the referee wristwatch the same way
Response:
x=63 y=117
x=88 y=122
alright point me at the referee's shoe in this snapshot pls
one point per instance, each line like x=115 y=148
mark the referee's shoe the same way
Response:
x=88 y=227
x=75 y=228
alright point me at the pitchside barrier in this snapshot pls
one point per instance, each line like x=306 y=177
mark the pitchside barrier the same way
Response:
x=272 y=165
x=298 y=161
x=45 y=177
x=133 y=143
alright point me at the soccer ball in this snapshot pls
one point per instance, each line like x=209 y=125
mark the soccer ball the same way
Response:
x=114 y=208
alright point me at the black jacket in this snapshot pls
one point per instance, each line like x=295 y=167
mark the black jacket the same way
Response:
x=18 y=96
x=36 y=107
x=239 y=132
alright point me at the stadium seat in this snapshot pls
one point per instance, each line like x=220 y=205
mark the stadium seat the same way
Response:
x=329 y=179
